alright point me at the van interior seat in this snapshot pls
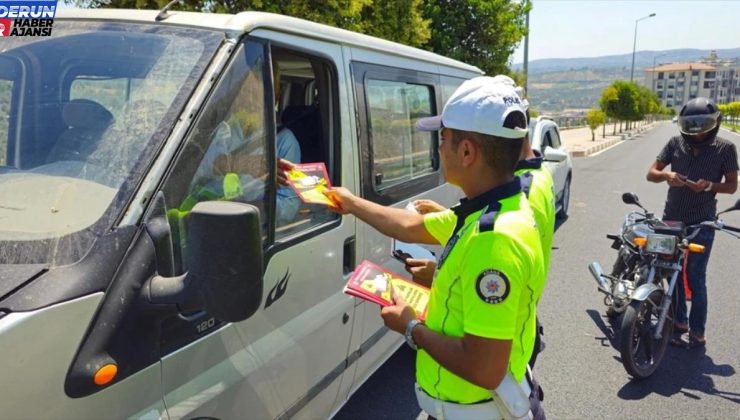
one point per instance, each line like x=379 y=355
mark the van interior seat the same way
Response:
x=305 y=123
x=86 y=122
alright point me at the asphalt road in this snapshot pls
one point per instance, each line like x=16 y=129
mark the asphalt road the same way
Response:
x=580 y=370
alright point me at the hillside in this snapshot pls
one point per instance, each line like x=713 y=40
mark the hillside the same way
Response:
x=576 y=83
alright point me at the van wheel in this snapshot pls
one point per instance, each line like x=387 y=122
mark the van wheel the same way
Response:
x=565 y=201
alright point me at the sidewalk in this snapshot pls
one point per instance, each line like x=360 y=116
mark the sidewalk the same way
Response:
x=579 y=144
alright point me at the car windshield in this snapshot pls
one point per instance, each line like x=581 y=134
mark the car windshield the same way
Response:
x=82 y=112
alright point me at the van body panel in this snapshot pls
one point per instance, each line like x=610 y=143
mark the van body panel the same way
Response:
x=36 y=349
x=288 y=358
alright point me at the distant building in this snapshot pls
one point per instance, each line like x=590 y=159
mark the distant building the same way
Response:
x=711 y=77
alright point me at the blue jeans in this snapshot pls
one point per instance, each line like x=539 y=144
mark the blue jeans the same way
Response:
x=697 y=273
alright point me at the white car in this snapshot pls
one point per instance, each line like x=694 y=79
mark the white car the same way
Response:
x=544 y=136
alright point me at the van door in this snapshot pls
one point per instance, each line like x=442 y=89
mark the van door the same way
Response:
x=287 y=359
x=397 y=164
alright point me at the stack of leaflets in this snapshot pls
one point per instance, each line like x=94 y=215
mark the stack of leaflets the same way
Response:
x=309 y=181
x=377 y=284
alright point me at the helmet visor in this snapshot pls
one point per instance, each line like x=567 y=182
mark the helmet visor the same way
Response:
x=697 y=124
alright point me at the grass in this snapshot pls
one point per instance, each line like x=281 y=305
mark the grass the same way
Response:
x=731 y=127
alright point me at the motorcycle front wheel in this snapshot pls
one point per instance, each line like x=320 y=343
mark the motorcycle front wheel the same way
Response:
x=641 y=352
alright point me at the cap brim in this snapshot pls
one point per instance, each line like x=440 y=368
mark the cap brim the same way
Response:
x=429 y=123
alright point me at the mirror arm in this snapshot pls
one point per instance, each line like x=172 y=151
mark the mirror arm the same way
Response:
x=168 y=290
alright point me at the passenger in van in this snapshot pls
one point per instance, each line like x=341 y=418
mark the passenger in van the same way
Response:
x=479 y=331
x=239 y=164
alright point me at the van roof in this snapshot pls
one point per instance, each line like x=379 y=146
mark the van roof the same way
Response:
x=245 y=22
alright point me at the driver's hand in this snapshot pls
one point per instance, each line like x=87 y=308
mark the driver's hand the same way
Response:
x=283 y=167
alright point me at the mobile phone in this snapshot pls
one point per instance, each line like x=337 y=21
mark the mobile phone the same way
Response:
x=400 y=255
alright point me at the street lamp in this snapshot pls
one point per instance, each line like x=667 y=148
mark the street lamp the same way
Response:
x=634 y=45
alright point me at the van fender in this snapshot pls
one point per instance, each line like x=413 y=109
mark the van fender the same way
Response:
x=643 y=291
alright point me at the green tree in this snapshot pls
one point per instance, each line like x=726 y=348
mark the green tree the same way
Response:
x=608 y=104
x=594 y=118
x=483 y=33
x=627 y=101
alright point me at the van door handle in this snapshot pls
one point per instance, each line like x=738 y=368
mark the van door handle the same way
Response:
x=348 y=257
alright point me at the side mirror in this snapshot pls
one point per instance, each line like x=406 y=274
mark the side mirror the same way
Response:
x=554 y=155
x=734 y=207
x=224 y=246
x=630 y=198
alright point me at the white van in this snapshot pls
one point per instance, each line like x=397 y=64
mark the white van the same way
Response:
x=149 y=265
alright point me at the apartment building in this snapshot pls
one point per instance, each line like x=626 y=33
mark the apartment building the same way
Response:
x=711 y=77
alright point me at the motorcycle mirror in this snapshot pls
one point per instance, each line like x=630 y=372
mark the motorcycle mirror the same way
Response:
x=631 y=198
x=736 y=206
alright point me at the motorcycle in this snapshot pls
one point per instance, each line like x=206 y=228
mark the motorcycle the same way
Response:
x=651 y=254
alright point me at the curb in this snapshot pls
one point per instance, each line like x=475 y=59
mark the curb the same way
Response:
x=586 y=150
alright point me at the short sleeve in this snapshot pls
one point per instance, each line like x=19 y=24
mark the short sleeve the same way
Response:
x=287 y=146
x=729 y=163
x=492 y=286
x=667 y=152
x=440 y=225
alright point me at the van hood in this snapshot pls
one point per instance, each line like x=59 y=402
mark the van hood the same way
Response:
x=12 y=276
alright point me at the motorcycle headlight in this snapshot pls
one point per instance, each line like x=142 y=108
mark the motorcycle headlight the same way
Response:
x=661 y=244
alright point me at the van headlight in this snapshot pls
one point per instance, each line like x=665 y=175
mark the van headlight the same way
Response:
x=661 y=244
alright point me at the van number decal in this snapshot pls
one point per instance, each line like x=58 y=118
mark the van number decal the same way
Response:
x=205 y=325
x=278 y=290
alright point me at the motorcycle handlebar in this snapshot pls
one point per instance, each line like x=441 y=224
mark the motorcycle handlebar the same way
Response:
x=733 y=229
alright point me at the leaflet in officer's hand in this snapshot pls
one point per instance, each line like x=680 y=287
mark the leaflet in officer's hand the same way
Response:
x=309 y=181
x=376 y=284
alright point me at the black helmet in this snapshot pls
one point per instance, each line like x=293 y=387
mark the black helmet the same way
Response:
x=698 y=116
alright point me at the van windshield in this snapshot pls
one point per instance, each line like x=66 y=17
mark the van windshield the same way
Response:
x=82 y=113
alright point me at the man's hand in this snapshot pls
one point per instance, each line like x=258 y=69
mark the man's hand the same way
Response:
x=342 y=199
x=425 y=206
x=422 y=270
x=697 y=186
x=398 y=315
x=674 y=179
x=283 y=167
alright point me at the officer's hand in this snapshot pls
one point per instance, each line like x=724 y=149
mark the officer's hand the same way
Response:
x=427 y=206
x=342 y=199
x=674 y=179
x=422 y=270
x=283 y=167
x=398 y=315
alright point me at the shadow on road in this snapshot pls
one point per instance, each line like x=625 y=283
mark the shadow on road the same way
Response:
x=688 y=372
x=608 y=326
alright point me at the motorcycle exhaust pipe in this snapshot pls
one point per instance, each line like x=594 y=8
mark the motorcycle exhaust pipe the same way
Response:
x=601 y=281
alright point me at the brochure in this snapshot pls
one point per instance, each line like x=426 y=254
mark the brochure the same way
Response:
x=309 y=181
x=377 y=284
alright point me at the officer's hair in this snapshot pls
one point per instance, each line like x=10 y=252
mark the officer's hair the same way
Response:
x=501 y=154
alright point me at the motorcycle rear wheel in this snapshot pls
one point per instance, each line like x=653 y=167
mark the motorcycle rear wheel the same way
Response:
x=641 y=352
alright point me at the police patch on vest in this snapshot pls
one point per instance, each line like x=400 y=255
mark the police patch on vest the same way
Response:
x=492 y=286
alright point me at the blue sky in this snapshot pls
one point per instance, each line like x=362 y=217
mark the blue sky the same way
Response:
x=591 y=28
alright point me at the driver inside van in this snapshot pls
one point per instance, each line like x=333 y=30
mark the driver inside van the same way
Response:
x=235 y=158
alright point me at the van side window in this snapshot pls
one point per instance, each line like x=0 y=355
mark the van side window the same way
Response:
x=554 y=138
x=304 y=86
x=397 y=161
x=400 y=152
x=225 y=156
x=547 y=141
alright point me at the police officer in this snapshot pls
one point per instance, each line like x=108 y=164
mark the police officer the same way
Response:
x=479 y=331
x=537 y=185
x=702 y=166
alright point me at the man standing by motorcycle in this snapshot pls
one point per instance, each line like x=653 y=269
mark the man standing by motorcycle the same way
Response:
x=702 y=165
